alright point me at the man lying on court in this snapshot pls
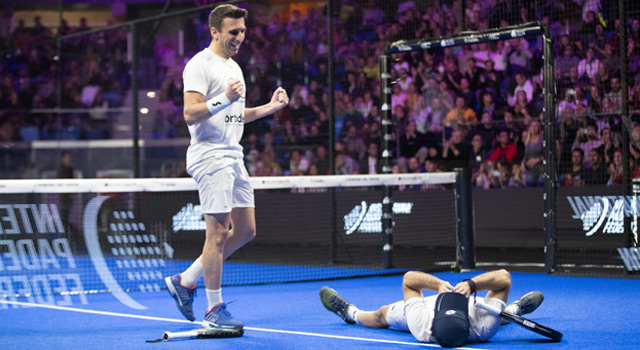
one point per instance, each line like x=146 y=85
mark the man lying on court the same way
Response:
x=448 y=318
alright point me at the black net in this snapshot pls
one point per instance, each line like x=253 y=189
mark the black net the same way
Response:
x=113 y=236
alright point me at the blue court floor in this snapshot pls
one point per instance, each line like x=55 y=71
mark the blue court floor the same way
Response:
x=593 y=313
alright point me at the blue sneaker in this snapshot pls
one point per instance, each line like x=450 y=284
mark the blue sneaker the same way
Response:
x=218 y=317
x=183 y=296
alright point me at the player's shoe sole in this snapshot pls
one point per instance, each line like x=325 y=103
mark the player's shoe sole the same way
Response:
x=335 y=303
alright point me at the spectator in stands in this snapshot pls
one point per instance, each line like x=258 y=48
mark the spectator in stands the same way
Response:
x=271 y=167
x=615 y=170
x=321 y=160
x=522 y=106
x=431 y=166
x=461 y=116
x=487 y=129
x=486 y=103
x=589 y=65
x=371 y=164
x=587 y=138
x=477 y=154
x=411 y=144
x=298 y=164
x=615 y=94
x=519 y=56
x=398 y=97
x=456 y=151
x=522 y=84
x=512 y=125
x=345 y=165
x=466 y=92
x=566 y=61
x=505 y=150
x=575 y=176
x=517 y=178
x=488 y=177
x=532 y=163
x=492 y=78
x=596 y=172
x=414 y=165
x=354 y=144
x=437 y=114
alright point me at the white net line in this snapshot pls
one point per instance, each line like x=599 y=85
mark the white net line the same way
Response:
x=188 y=184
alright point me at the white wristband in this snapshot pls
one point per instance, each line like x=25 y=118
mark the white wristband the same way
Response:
x=217 y=103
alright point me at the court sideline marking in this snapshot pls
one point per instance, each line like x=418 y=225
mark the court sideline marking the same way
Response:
x=153 y=318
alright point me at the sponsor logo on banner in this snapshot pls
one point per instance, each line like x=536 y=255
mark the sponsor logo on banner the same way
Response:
x=367 y=218
x=447 y=42
x=518 y=33
x=39 y=266
x=602 y=214
x=189 y=218
x=630 y=258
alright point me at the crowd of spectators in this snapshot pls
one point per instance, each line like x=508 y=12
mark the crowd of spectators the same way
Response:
x=478 y=106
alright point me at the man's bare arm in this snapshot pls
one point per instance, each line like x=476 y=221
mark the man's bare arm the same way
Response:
x=279 y=100
x=415 y=282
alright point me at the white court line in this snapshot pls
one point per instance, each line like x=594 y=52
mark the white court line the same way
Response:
x=108 y=313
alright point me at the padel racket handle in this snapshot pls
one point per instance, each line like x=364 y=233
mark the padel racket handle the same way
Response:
x=492 y=309
x=179 y=335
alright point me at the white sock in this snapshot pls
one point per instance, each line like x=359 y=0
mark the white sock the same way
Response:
x=352 y=312
x=214 y=297
x=190 y=277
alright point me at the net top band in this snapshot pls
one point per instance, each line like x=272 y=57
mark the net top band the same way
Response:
x=187 y=184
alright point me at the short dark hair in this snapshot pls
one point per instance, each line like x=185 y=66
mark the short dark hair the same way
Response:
x=219 y=13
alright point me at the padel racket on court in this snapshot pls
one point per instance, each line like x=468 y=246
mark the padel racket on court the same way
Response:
x=199 y=333
x=524 y=322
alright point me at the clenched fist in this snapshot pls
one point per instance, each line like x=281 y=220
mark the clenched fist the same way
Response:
x=235 y=90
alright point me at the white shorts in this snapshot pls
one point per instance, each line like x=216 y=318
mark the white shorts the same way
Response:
x=223 y=184
x=416 y=316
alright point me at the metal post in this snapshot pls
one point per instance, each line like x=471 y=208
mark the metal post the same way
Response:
x=550 y=180
x=466 y=238
x=58 y=58
x=330 y=82
x=624 y=116
x=461 y=16
x=387 y=158
x=135 y=104
x=332 y=127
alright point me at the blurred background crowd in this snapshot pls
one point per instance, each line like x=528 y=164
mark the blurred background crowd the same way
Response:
x=477 y=106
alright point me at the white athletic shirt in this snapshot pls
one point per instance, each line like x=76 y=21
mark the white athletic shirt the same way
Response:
x=220 y=135
x=419 y=313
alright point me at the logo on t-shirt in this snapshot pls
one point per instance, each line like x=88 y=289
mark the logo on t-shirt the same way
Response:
x=234 y=119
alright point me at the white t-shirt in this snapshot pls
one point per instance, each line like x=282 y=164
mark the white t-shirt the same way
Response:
x=220 y=135
x=417 y=317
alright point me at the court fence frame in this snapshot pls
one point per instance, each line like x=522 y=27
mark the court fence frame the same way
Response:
x=549 y=91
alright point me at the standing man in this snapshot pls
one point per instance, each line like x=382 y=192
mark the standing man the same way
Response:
x=214 y=109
